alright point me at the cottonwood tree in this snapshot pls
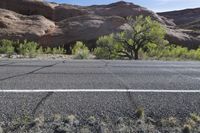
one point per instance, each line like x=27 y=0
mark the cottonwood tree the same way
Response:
x=141 y=32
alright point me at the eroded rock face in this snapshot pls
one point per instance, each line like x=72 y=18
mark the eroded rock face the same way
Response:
x=54 y=24
x=183 y=38
x=83 y=28
x=20 y=27
x=52 y=11
x=29 y=7
x=187 y=29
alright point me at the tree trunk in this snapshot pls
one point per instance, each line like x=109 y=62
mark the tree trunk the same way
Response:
x=136 y=55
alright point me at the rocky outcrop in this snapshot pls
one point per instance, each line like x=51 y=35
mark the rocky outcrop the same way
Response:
x=54 y=24
x=19 y=27
x=187 y=29
x=85 y=28
x=29 y=7
x=52 y=11
x=183 y=38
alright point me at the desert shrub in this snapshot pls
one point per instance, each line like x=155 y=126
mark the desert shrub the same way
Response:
x=29 y=49
x=186 y=129
x=80 y=51
x=170 y=122
x=40 y=50
x=100 y=53
x=6 y=47
x=56 y=50
x=107 y=47
x=172 y=52
x=140 y=113
x=48 y=50
x=194 y=54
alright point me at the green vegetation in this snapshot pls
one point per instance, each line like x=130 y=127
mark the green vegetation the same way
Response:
x=187 y=129
x=80 y=51
x=26 y=48
x=171 y=52
x=140 y=113
x=143 y=40
x=143 y=31
x=6 y=47
x=107 y=48
x=128 y=43
x=58 y=50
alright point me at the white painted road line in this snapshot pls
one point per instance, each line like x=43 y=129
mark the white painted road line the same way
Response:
x=100 y=90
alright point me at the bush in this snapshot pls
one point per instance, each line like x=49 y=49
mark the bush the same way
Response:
x=6 y=47
x=107 y=48
x=80 y=51
x=101 y=53
x=140 y=113
x=186 y=129
x=173 y=52
x=47 y=50
x=29 y=49
x=58 y=50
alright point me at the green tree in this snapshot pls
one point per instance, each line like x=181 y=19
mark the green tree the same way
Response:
x=141 y=32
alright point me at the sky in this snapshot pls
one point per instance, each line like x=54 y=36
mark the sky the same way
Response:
x=155 y=5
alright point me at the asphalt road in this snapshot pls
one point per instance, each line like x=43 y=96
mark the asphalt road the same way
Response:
x=127 y=75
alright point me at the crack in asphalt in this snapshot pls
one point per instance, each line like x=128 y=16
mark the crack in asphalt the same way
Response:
x=31 y=72
x=41 y=102
x=43 y=99
x=126 y=85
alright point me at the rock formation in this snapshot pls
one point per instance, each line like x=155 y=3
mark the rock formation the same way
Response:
x=53 y=24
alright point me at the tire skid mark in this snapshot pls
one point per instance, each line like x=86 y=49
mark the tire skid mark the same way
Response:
x=126 y=85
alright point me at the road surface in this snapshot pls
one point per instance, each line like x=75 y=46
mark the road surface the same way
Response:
x=176 y=85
